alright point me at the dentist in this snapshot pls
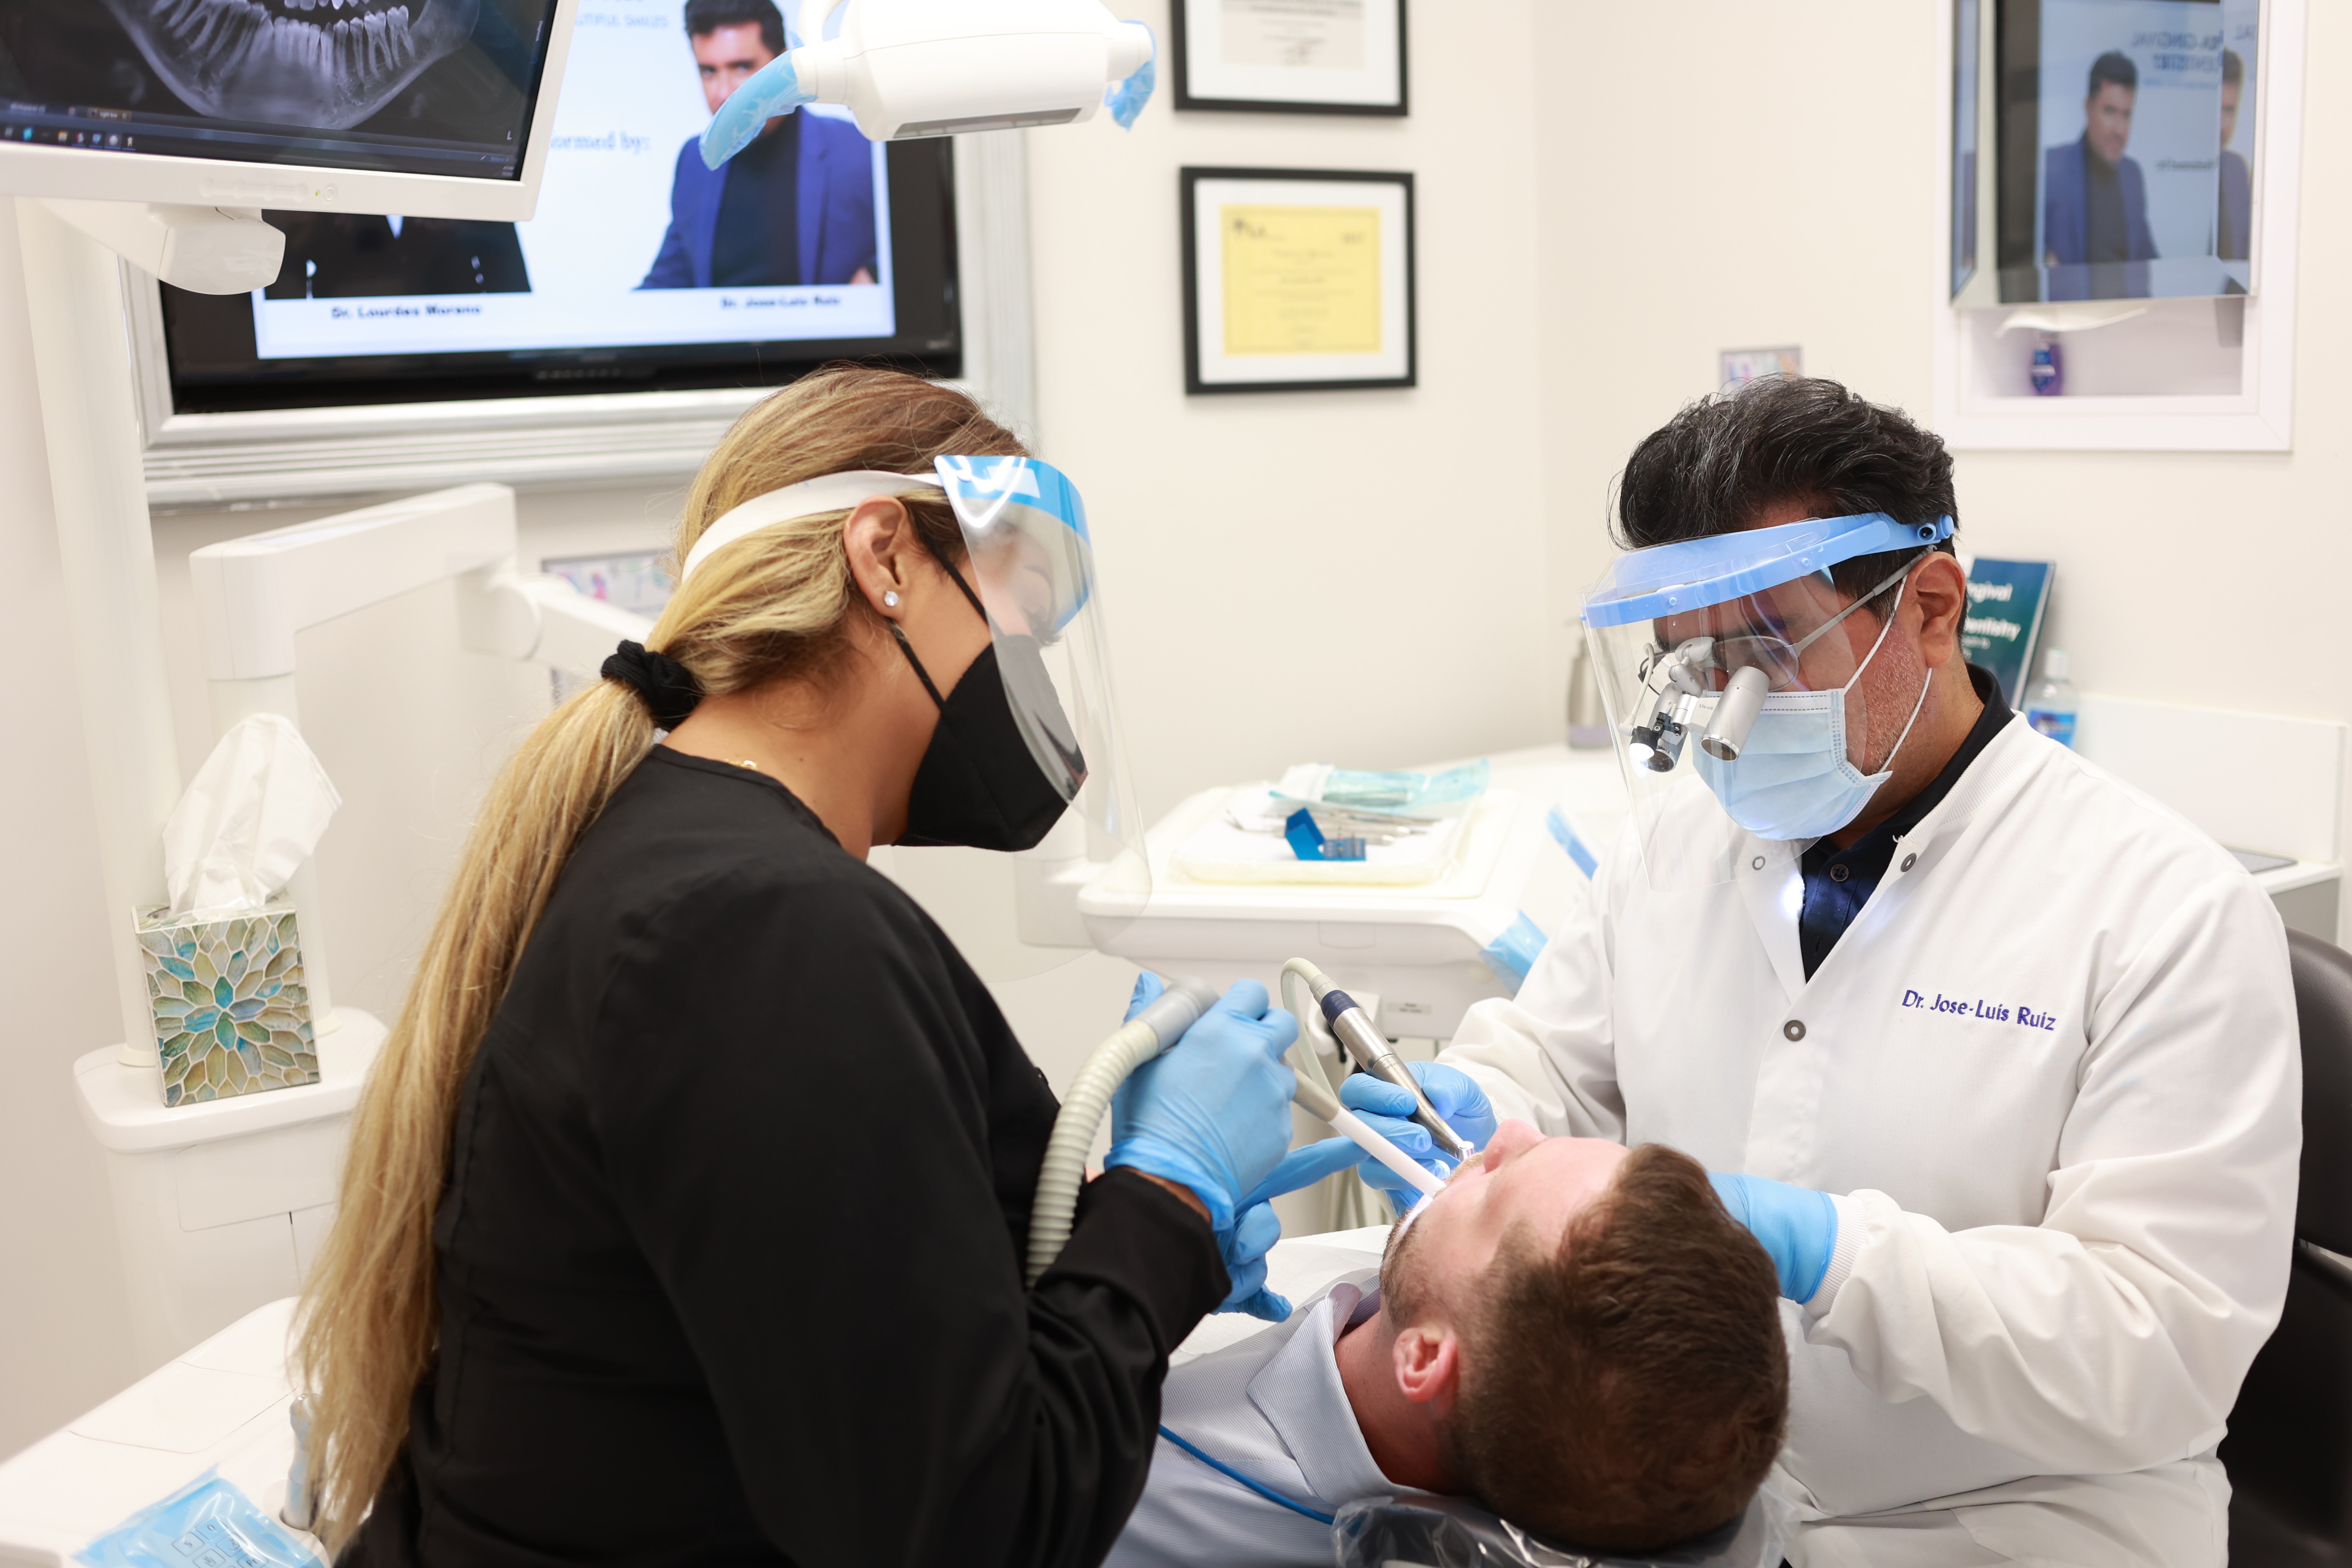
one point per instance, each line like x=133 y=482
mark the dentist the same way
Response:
x=1996 y=1054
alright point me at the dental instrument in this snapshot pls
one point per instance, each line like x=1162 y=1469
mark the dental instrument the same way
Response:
x=1371 y=1051
x=1157 y=1025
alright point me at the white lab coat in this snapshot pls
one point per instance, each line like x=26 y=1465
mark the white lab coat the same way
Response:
x=2065 y=1212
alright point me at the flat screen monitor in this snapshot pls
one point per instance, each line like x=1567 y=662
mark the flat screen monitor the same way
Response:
x=643 y=270
x=420 y=107
x=2127 y=148
x=1966 y=49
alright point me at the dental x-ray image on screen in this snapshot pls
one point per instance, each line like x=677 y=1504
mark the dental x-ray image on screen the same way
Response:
x=423 y=87
x=2140 y=168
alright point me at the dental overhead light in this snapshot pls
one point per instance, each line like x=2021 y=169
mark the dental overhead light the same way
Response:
x=936 y=68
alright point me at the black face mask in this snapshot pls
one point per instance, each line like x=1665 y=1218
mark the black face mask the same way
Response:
x=977 y=785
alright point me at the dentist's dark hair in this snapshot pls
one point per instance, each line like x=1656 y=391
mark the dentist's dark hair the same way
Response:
x=709 y=16
x=1725 y=461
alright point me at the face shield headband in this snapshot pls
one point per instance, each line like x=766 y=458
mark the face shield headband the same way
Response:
x=1693 y=642
x=1029 y=572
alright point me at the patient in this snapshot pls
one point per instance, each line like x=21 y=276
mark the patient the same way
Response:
x=1577 y=1335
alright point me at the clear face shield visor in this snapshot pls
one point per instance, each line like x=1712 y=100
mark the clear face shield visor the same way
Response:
x=1030 y=564
x=1692 y=642
x=1030 y=558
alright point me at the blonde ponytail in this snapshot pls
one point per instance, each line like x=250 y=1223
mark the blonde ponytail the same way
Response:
x=773 y=606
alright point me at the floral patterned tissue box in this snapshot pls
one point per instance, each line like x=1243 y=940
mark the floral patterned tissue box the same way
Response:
x=232 y=1015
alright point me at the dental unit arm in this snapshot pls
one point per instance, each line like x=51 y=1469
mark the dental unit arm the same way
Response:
x=1157 y=1025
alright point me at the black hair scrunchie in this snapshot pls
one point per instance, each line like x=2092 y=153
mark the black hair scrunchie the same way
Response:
x=668 y=688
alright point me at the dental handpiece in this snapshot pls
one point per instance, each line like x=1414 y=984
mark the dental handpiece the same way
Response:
x=1314 y=1096
x=1365 y=1044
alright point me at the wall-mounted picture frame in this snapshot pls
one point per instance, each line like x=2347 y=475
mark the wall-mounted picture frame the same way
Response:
x=1290 y=56
x=1297 y=279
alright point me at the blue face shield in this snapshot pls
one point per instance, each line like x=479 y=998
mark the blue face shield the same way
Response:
x=1037 y=734
x=1731 y=673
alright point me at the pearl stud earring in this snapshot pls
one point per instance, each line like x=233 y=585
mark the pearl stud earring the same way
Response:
x=891 y=599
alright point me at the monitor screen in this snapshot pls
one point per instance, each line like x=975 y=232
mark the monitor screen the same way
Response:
x=2127 y=148
x=1967 y=35
x=641 y=268
x=413 y=86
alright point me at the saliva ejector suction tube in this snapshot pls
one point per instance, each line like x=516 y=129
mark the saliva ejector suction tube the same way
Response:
x=1151 y=1031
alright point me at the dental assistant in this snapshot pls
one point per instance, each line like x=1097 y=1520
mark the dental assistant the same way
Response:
x=1996 y=1054
x=684 y=1216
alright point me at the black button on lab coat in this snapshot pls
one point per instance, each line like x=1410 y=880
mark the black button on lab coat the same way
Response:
x=730 y=1249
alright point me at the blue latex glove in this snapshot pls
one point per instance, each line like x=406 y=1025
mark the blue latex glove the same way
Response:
x=1212 y=1111
x=1252 y=1237
x=1148 y=988
x=1388 y=1110
x=1797 y=1226
x=1300 y=1168
x=1255 y=1232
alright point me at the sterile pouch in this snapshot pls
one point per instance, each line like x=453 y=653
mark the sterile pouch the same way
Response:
x=1451 y=1532
x=208 y=1523
x=1422 y=797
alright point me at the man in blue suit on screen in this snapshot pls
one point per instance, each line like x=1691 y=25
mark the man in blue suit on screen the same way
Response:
x=2233 y=222
x=795 y=206
x=2094 y=199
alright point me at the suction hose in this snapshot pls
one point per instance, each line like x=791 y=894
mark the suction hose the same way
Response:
x=1159 y=1025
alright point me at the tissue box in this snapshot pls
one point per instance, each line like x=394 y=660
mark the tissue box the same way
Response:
x=232 y=1015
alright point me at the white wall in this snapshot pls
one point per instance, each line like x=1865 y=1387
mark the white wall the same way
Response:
x=1353 y=576
x=1744 y=175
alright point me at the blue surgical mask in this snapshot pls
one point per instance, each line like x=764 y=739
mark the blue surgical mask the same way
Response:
x=1793 y=778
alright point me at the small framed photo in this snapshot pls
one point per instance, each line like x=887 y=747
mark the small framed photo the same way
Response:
x=1297 y=280
x=1290 y=56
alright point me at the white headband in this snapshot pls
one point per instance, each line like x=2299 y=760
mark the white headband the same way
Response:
x=826 y=492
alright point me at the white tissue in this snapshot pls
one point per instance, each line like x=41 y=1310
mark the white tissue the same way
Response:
x=251 y=815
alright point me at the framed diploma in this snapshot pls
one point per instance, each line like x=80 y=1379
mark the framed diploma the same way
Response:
x=1297 y=280
x=1290 y=56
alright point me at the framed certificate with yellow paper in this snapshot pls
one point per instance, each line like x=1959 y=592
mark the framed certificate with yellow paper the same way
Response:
x=1297 y=280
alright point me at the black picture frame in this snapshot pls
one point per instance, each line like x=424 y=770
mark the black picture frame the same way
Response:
x=1188 y=179
x=1180 y=42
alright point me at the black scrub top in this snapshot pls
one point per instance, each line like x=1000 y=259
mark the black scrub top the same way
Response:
x=730 y=1255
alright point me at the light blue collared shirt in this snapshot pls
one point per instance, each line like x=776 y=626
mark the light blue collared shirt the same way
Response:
x=1271 y=1407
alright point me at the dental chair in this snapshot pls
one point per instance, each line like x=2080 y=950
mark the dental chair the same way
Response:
x=1421 y=1531
x=2289 y=1452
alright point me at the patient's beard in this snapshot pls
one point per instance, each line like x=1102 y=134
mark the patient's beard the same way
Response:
x=1404 y=1276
